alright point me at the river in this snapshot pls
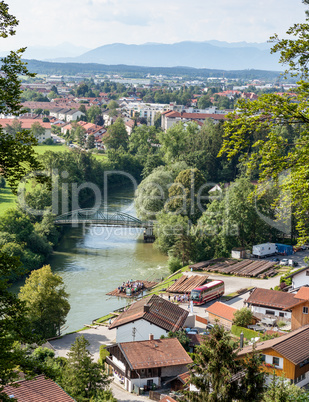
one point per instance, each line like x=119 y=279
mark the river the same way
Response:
x=95 y=260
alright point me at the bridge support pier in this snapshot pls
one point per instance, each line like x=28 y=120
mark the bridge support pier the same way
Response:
x=149 y=237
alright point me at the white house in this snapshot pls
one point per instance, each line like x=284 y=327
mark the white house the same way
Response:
x=300 y=278
x=271 y=302
x=147 y=364
x=26 y=124
x=151 y=315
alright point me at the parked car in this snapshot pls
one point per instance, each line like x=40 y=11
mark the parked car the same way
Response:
x=284 y=261
x=275 y=259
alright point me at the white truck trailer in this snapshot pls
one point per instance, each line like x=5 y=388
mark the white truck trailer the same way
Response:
x=264 y=250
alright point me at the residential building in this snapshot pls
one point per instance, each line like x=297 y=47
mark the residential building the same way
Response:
x=300 y=310
x=221 y=313
x=26 y=125
x=171 y=117
x=147 y=364
x=39 y=389
x=287 y=355
x=271 y=302
x=300 y=278
x=151 y=315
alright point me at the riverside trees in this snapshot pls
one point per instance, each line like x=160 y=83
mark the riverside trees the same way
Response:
x=46 y=301
x=255 y=129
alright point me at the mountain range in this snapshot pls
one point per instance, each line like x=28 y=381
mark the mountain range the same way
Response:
x=210 y=54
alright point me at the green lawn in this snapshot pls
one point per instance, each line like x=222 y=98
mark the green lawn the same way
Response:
x=100 y=157
x=40 y=149
x=7 y=200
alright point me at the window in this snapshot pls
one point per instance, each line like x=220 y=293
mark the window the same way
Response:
x=307 y=273
x=276 y=361
x=305 y=310
x=270 y=312
x=263 y=358
x=281 y=314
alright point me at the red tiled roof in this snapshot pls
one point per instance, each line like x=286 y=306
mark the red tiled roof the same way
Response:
x=272 y=298
x=197 y=116
x=156 y=310
x=40 y=389
x=155 y=353
x=222 y=310
x=168 y=399
x=25 y=123
x=303 y=293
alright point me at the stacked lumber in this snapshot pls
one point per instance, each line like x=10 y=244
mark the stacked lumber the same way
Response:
x=247 y=268
x=187 y=283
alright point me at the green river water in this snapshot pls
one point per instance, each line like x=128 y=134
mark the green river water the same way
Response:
x=95 y=260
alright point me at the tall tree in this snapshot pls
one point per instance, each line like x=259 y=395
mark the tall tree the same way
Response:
x=253 y=129
x=12 y=324
x=219 y=375
x=116 y=135
x=46 y=301
x=83 y=379
x=17 y=157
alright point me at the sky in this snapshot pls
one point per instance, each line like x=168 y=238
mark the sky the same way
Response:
x=93 y=23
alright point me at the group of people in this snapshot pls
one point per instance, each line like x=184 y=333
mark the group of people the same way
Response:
x=131 y=287
x=180 y=298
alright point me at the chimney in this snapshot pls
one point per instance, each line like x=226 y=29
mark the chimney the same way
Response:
x=146 y=308
x=151 y=337
x=241 y=344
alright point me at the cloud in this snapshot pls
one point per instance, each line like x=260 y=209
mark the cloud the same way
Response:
x=92 y=23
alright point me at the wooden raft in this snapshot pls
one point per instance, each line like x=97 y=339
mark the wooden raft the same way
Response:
x=147 y=285
x=186 y=283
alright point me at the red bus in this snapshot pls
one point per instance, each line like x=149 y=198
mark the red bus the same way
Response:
x=211 y=290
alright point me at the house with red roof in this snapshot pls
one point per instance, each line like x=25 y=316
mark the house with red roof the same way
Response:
x=171 y=117
x=222 y=313
x=26 y=124
x=147 y=364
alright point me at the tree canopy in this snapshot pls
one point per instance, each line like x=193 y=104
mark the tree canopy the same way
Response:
x=254 y=130
x=46 y=301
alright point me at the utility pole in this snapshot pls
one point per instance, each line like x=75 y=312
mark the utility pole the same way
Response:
x=133 y=333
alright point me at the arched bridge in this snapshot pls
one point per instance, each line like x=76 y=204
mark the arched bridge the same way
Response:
x=101 y=217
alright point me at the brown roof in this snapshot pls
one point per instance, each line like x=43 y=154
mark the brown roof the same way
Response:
x=40 y=389
x=271 y=298
x=222 y=310
x=156 y=310
x=154 y=353
x=294 y=346
x=168 y=399
x=303 y=293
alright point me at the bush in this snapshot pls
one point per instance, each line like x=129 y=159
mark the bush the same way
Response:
x=243 y=317
x=103 y=354
x=174 y=264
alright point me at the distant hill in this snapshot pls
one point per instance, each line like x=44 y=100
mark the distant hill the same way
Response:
x=211 y=54
x=65 y=49
x=42 y=67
